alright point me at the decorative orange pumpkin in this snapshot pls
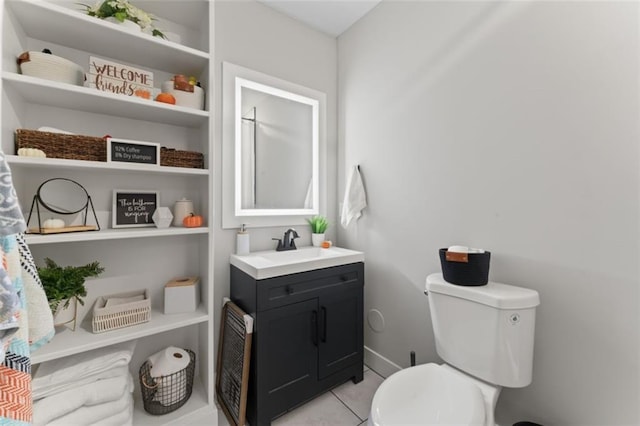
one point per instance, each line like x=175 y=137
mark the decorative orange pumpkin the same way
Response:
x=166 y=98
x=192 y=221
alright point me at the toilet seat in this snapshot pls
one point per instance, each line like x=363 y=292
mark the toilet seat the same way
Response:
x=427 y=394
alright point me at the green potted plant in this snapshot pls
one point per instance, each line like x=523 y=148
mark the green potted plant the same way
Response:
x=121 y=11
x=64 y=287
x=319 y=225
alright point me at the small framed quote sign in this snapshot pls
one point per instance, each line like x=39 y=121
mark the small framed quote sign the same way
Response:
x=127 y=151
x=112 y=77
x=133 y=208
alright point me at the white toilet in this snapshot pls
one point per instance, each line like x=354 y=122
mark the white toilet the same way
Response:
x=485 y=336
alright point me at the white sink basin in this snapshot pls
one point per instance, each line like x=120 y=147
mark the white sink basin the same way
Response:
x=271 y=263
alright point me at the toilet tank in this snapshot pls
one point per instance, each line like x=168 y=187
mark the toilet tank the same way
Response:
x=486 y=331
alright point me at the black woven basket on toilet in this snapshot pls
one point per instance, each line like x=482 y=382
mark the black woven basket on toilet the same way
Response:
x=164 y=394
x=469 y=269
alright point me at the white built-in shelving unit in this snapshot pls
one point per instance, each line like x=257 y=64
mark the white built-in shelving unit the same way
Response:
x=134 y=258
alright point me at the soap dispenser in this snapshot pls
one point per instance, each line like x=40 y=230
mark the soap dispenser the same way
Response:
x=242 y=241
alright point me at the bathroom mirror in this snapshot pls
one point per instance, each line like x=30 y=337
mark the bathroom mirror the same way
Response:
x=273 y=138
x=63 y=196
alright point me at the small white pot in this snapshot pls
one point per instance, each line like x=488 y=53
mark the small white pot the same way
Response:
x=317 y=239
x=126 y=24
x=65 y=315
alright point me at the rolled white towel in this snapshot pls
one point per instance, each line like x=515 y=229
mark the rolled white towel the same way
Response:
x=53 y=130
x=465 y=249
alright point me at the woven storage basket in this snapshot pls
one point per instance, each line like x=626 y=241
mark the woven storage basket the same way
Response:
x=176 y=158
x=60 y=145
x=107 y=318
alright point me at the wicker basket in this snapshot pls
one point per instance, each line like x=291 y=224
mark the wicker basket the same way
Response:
x=79 y=147
x=107 y=318
x=176 y=158
x=60 y=145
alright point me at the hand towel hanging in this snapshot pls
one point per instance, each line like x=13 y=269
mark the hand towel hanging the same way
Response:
x=355 y=198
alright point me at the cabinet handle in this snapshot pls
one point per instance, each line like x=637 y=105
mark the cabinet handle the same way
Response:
x=323 y=322
x=314 y=327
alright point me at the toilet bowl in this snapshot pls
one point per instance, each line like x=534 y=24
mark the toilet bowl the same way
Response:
x=485 y=337
x=432 y=394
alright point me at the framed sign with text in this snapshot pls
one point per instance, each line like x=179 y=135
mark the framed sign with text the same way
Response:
x=132 y=209
x=112 y=77
x=128 y=151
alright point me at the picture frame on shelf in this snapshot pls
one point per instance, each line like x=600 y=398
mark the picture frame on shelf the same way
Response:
x=134 y=208
x=130 y=151
x=113 y=77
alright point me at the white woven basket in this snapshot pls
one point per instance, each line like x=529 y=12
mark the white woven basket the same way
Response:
x=107 y=318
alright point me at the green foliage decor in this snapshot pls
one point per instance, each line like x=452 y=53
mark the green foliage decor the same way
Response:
x=121 y=10
x=319 y=224
x=65 y=283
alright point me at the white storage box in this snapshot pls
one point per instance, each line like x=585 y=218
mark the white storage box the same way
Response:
x=121 y=310
x=193 y=99
x=182 y=295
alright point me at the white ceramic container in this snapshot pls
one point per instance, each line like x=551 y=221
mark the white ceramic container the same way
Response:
x=185 y=99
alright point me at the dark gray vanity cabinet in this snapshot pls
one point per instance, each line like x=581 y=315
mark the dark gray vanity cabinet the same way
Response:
x=308 y=335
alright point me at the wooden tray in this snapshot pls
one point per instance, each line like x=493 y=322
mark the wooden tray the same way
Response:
x=47 y=231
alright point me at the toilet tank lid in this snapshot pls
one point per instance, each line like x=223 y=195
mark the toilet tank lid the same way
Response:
x=497 y=295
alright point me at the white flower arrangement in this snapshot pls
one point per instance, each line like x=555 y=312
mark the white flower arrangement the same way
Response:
x=123 y=10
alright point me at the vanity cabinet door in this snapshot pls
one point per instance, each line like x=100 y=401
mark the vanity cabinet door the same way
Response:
x=340 y=328
x=308 y=336
x=287 y=356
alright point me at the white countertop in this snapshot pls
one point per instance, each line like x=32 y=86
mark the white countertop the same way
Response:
x=271 y=263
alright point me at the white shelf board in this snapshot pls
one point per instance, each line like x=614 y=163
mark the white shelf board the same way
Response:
x=45 y=21
x=112 y=234
x=196 y=404
x=100 y=165
x=79 y=98
x=68 y=342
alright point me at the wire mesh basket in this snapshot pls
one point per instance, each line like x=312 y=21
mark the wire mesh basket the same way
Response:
x=164 y=394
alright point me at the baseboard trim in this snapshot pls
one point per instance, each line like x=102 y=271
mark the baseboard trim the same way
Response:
x=380 y=364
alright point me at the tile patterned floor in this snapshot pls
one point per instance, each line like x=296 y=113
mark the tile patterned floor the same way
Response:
x=345 y=405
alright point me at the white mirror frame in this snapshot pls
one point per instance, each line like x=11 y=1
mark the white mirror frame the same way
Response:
x=235 y=77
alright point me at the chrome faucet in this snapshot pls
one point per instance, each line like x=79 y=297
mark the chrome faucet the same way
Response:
x=288 y=241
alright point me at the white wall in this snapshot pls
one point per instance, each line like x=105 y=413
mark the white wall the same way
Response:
x=251 y=35
x=511 y=126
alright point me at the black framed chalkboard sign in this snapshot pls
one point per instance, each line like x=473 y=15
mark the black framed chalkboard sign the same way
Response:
x=132 y=209
x=129 y=151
